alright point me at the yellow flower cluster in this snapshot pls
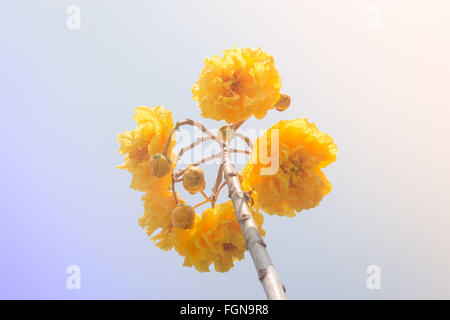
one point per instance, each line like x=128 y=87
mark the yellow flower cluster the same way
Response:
x=242 y=83
x=299 y=182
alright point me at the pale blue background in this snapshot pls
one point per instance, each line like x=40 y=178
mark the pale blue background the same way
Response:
x=382 y=94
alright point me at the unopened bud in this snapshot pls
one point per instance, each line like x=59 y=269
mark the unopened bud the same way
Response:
x=183 y=216
x=194 y=179
x=283 y=103
x=159 y=165
x=225 y=133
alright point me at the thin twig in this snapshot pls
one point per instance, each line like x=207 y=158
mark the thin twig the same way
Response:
x=245 y=138
x=232 y=150
x=199 y=204
x=204 y=195
x=216 y=195
x=177 y=126
x=193 y=144
x=199 y=126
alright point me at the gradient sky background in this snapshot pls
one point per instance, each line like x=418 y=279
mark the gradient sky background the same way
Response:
x=383 y=95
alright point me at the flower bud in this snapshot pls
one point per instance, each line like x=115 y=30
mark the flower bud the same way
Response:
x=225 y=133
x=194 y=179
x=159 y=165
x=183 y=216
x=283 y=103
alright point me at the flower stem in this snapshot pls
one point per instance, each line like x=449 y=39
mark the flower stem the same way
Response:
x=267 y=274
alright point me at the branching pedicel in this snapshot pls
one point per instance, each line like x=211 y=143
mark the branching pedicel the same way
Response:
x=241 y=84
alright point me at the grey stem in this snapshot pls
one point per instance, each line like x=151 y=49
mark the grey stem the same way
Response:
x=267 y=274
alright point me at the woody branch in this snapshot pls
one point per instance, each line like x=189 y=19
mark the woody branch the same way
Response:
x=267 y=274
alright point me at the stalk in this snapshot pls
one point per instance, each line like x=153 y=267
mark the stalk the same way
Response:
x=267 y=274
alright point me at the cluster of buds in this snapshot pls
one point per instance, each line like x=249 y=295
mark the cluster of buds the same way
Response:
x=193 y=181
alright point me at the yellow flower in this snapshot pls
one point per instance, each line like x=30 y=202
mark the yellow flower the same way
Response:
x=158 y=208
x=215 y=238
x=154 y=128
x=299 y=182
x=242 y=83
